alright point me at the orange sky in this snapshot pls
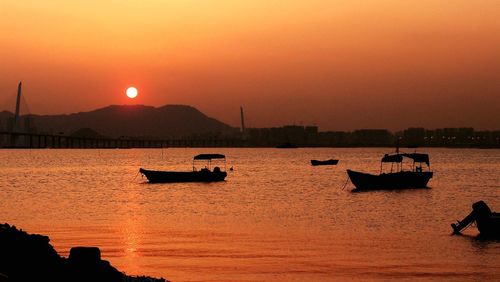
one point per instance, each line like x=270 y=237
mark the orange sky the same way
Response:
x=339 y=64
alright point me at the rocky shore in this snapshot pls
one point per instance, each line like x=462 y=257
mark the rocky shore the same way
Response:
x=30 y=257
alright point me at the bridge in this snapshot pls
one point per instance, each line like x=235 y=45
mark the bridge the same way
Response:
x=38 y=141
x=15 y=138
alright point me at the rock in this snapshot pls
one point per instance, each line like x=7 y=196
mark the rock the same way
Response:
x=30 y=257
x=84 y=255
x=85 y=264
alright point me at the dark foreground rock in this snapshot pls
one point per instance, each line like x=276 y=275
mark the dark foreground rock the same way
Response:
x=30 y=257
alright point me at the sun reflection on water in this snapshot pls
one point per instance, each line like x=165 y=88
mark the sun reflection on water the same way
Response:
x=275 y=218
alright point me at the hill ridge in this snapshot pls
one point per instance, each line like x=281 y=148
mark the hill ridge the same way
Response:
x=132 y=121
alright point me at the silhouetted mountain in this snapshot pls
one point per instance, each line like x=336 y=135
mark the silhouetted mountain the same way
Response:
x=134 y=121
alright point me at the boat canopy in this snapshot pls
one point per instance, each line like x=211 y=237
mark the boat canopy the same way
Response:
x=419 y=158
x=397 y=158
x=209 y=156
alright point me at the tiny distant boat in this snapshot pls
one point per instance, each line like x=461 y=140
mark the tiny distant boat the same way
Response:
x=326 y=162
x=487 y=222
x=206 y=174
x=287 y=145
x=400 y=179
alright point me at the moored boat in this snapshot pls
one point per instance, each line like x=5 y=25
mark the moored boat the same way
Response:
x=487 y=222
x=399 y=179
x=325 y=162
x=206 y=174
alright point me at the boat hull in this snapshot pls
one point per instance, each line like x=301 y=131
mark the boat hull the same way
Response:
x=396 y=180
x=489 y=226
x=327 y=162
x=155 y=176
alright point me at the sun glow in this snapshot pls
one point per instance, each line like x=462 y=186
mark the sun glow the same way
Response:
x=132 y=92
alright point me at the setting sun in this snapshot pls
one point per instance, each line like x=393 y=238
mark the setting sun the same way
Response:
x=132 y=92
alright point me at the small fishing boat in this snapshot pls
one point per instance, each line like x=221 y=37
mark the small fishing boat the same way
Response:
x=398 y=179
x=326 y=162
x=487 y=222
x=206 y=174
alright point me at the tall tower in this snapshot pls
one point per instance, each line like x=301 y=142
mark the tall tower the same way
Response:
x=242 y=121
x=14 y=123
x=15 y=126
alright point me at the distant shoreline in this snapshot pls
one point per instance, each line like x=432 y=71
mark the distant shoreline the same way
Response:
x=254 y=147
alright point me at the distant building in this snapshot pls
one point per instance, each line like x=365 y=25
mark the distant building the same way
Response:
x=414 y=136
x=311 y=135
x=372 y=137
x=294 y=134
x=333 y=138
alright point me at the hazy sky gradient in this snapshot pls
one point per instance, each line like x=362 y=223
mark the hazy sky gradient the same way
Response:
x=339 y=64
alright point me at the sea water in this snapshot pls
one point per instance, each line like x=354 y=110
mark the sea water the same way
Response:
x=275 y=218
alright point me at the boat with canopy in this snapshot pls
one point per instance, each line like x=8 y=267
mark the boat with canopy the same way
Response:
x=397 y=178
x=206 y=174
x=486 y=221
